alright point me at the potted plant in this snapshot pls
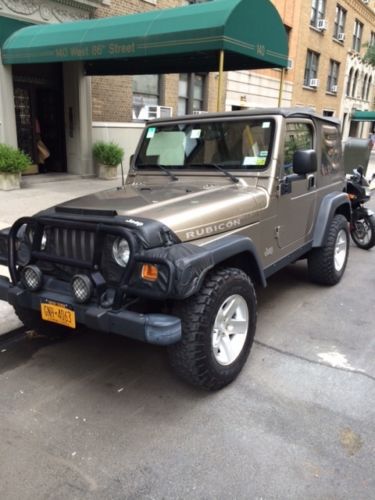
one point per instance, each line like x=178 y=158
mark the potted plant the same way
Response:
x=12 y=163
x=108 y=156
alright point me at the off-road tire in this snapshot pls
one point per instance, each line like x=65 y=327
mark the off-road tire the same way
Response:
x=321 y=261
x=370 y=220
x=193 y=358
x=33 y=321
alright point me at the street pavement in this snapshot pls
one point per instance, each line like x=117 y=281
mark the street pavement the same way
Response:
x=100 y=417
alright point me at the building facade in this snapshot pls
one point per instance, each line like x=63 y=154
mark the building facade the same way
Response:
x=326 y=70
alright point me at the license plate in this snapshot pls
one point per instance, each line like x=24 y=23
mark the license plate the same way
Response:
x=62 y=314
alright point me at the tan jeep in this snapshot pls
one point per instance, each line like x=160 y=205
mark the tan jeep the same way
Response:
x=213 y=205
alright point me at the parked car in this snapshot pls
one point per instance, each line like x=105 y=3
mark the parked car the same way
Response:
x=214 y=204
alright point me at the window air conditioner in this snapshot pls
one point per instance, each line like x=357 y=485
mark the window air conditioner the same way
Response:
x=334 y=88
x=322 y=24
x=153 y=112
x=365 y=1
x=341 y=37
x=314 y=82
x=290 y=64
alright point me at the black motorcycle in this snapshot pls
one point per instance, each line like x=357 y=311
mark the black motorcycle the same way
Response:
x=362 y=225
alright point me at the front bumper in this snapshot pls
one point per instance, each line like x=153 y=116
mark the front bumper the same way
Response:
x=160 y=329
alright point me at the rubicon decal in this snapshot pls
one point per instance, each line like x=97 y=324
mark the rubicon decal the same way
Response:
x=212 y=229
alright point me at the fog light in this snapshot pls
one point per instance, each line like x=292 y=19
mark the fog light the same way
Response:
x=82 y=288
x=32 y=278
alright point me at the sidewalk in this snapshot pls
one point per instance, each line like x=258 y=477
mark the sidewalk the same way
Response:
x=37 y=193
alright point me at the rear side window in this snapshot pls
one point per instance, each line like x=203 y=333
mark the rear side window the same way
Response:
x=298 y=136
x=331 y=150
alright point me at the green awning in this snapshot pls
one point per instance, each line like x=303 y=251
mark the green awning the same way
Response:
x=363 y=116
x=179 y=40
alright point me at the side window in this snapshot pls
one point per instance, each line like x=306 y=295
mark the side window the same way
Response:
x=297 y=136
x=331 y=150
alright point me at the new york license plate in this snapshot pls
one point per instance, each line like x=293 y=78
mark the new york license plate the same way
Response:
x=62 y=314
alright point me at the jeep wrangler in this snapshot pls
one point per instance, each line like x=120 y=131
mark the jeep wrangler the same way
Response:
x=212 y=206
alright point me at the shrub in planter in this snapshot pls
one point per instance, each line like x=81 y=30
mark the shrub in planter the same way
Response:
x=12 y=163
x=108 y=156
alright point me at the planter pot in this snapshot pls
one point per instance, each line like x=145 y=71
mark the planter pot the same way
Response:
x=9 y=181
x=107 y=172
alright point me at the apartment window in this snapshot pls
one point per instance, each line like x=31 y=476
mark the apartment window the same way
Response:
x=191 y=93
x=372 y=39
x=318 y=8
x=340 y=20
x=333 y=76
x=357 y=35
x=369 y=85
x=355 y=81
x=364 y=87
x=311 y=68
x=349 y=82
x=146 y=91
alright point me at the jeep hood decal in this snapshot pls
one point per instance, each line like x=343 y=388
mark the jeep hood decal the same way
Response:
x=191 y=212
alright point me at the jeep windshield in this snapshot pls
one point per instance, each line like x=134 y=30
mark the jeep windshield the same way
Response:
x=244 y=144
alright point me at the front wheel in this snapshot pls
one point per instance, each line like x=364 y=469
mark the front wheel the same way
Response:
x=363 y=232
x=218 y=327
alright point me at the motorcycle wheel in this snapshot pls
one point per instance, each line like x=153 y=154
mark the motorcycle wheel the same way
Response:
x=363 y=232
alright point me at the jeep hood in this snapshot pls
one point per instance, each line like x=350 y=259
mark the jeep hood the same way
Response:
x=190 y=211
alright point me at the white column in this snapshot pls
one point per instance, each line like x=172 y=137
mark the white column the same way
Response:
x=78 y=119
x=8 y=130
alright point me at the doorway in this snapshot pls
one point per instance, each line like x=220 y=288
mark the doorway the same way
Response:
x=39 y=109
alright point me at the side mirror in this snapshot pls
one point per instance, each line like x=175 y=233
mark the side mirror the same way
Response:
x=305 y=162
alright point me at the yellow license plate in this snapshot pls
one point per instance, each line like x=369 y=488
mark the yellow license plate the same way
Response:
x=62 y=314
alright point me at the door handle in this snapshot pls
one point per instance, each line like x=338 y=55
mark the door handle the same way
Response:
x=311 y=182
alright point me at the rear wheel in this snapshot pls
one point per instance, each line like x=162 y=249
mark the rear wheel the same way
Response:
x=33 y=321
x=218 y=326
x=327 y=264
x=363 y=232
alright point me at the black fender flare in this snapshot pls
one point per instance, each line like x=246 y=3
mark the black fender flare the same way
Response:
x=333 y=203
x=233 y=246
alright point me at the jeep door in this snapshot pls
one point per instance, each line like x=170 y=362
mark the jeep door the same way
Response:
x=297 y=193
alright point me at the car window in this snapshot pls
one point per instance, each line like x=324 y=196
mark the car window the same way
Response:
x=331 y=150
x=298 y=136
x=234 y=144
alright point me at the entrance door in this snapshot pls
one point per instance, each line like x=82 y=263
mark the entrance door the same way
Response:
x=297 y=205
x=38 y=94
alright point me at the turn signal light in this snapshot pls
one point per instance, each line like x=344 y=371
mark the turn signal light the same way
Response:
x=149 y=272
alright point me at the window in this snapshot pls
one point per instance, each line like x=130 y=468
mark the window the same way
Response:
x=364 y=87
x=191 y=89
x=331 y=150
x=369 y=85
x=298 y=136
x=372 y=39
x=349 y=83
x=333 y=76
x=355 y=81
x=311 y=68
x=244 y=144
x=340 y=20
x=357 y=35
x=318 y=8
x=146 y=90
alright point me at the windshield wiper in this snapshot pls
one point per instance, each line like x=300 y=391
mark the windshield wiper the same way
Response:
x=218 y=167
x=161 y=167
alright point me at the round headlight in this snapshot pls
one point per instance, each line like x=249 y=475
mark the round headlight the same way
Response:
x=32 y=278
x=82 y=288
x=121 y=252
